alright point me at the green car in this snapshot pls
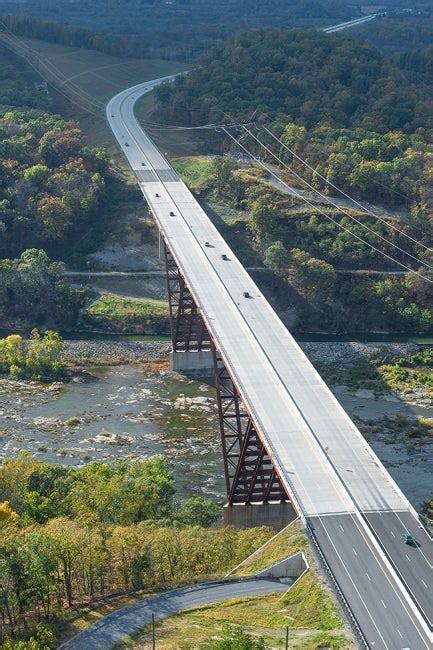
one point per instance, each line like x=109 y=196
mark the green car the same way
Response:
x=408 y=539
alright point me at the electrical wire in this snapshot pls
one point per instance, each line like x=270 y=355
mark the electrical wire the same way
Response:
x=347 y=196
x=265 y=166
x=335 y=205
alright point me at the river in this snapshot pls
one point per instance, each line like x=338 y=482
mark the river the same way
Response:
x=133 y=412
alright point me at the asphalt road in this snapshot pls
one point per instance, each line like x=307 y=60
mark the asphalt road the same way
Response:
x=113 y=628
x=371 y=590
x=414 y=563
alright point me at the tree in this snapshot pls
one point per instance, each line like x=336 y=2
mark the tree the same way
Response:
x=263 y=221
x=55 y=217
x=37 y=174
x=223 y=170
x=277 y=257
x=197 y=511
x=312 y=276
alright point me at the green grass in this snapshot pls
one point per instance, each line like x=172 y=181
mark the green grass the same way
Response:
x=265 y=617
x=289 y=541
x=196 y=171
x=127 y=315
x=79 y=73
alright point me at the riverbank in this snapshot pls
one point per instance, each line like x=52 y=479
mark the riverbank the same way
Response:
x=317 y=352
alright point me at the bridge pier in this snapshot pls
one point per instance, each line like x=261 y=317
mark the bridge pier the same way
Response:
x=248 y=515
x=197 y=362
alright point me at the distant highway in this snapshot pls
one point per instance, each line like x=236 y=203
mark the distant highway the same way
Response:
x=352 y=508
x=349 y=23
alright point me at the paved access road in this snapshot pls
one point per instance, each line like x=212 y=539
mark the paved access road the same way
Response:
x=113 y=628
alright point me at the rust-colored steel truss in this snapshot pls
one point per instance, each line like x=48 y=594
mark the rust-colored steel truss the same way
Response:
x=249 y=472
x=188 y=331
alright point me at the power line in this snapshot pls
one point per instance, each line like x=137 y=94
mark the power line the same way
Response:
x=360 y=205
x=262 y=164
x=326 y=198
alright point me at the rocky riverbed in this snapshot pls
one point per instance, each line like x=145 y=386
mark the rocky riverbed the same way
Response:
x=156 y=350
x=133 y=410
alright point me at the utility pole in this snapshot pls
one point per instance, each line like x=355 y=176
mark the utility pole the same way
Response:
x=287 y=637
x=153 y=632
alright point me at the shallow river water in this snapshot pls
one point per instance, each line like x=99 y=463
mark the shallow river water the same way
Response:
x=130 y=412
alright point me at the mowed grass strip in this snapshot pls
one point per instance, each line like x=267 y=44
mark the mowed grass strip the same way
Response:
x=127 y=315
x=196 y=171
x=312 y=625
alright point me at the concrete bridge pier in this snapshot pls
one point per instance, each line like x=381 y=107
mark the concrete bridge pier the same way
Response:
x=198 y=362
x=275 y=515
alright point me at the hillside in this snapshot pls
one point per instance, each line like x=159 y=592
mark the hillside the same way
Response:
x=173 y=30
x=304 y=76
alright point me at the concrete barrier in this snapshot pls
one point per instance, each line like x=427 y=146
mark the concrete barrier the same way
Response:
x=294 y=566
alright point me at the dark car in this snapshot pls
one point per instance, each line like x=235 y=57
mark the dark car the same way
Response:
x=224 y=257
x=172 y=214
x=246 y=294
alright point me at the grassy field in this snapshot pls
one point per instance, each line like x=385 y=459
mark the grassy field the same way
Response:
x=85 y=80
x=196 y=171
x=111 y=313
x=265 y=617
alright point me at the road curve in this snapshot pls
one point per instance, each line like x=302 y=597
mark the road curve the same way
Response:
x=126 y=621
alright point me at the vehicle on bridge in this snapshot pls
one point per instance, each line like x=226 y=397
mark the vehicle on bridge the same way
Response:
x=408 y=539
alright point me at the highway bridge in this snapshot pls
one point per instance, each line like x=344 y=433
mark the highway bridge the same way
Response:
x=285 y=437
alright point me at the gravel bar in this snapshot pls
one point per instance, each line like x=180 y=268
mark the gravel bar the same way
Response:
x=157 y=350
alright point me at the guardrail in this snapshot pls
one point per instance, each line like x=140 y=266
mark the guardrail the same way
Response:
x=352 y=619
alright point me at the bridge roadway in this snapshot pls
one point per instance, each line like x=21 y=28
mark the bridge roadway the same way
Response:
x=353 y=507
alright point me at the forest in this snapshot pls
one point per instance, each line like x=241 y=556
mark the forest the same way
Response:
x=182 y=29
x=70 y=535
x=306 y=76
x=56 y=197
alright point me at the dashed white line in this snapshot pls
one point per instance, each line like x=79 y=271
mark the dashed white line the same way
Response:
x=354 y=551
x=383 y=603
x=399 y=633
x=407 y=557
x=392 y=533
x=425 y=585
x=368 y=576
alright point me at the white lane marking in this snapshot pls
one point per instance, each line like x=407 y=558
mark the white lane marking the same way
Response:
x=390 y=579
x=407 y=556
x=342 y=528
x=399 y=633
x=354 y=551
x=383 y=603
x=368 y=576
x=392 y=533
x=354 y=585
x=418 y=547
x=425 y=585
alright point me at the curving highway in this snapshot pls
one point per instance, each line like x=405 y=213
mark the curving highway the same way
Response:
x=351 y=506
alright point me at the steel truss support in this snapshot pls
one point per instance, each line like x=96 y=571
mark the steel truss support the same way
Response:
x=249 y=473
x=188 y=331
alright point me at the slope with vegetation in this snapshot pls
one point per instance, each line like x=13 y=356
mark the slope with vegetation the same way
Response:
x=168 y=30
x=305 y=76
x=72 y=536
